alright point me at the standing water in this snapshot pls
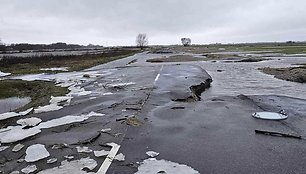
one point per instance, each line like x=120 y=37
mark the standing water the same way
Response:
x=234 y=78
x=10 y=104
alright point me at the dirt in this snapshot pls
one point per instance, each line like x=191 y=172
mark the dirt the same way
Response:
x=294 y=74
x=196 y=92
x=178 y=58
x=133 y=121
x=212 y=56
x=198 y=89
x=252 y=60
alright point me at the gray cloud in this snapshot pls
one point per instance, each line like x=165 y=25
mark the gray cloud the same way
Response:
x=110 y=22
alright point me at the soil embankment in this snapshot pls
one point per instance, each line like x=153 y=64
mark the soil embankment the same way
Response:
x=294 y=74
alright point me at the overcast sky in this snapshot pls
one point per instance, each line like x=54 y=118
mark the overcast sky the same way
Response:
x=117 y=22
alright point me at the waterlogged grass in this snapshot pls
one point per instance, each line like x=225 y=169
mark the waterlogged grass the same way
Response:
x=279 y=49
x=32 y=65
x=39 y=91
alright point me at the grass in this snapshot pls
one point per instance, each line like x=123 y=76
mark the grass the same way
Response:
x=39 y=91
x=279 y=49
x=32 y=65
x=283 y=48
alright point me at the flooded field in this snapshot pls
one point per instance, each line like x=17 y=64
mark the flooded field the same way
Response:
x=233 y=78
x=245 y=78
x=54 y=53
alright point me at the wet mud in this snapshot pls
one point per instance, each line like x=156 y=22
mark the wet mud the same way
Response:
x=294 y=74
x=176 y=58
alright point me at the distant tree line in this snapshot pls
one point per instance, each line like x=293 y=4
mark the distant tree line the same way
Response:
x=25 y=46
x=2 y=47
x=40 y=47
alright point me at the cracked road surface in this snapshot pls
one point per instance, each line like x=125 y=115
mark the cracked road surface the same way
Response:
x=152 y=107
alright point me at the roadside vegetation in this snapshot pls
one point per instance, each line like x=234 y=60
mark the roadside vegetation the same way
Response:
x=282 y=48
x=32 y=65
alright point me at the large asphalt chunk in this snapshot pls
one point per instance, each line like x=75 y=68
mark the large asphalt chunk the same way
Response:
x=182 y=82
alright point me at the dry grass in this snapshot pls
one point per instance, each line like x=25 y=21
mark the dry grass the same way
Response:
x=32 y=65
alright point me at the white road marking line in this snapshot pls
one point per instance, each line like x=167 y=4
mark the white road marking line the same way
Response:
x=109 y=159
x=158 y=75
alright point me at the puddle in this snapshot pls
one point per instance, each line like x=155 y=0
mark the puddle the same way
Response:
x=2 y=74
x=10 y=104
x=55 y=69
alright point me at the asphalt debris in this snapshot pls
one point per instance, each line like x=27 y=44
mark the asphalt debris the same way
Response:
x=277 y=134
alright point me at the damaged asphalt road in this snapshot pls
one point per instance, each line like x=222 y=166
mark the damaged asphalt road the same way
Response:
x=160 y=108
x=217 y=136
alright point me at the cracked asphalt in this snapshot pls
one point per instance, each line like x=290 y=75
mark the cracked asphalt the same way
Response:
x=213 y=135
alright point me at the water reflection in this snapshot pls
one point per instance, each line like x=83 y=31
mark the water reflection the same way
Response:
x=245 y=78
x=10 y=104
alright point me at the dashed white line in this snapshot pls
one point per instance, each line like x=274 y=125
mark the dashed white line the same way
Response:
x=158 y=75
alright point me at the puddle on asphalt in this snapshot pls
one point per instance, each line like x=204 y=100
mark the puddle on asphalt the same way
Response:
x=10 y=104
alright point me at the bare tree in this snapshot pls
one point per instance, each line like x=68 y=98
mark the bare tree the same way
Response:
x=186 y=41
x=142 y=40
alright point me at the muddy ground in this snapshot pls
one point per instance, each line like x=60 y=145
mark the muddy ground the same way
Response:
x=177 y=58
x=294 y=74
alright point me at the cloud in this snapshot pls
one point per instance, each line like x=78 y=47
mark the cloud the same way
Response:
x=110 y=22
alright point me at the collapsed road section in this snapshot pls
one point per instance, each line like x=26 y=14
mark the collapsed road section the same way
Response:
x=177 y=88
x=183 y=83
x=76 y=137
